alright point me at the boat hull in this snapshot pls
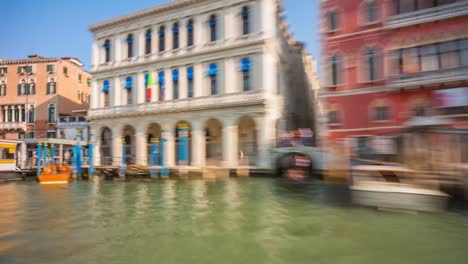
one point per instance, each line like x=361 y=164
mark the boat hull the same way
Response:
x=403 y=198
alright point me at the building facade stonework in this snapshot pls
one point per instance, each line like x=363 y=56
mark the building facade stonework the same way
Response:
x=215 y=67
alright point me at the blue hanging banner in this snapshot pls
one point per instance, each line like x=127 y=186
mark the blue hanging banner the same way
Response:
x=190 y=73
x=45 y=154
x=105 y=86
x=212 y=69
x=38 y=154
x=91 y=159
x=161 y=77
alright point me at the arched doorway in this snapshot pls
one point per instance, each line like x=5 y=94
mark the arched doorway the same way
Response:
x=214 y=142
x=183 y=143
x=106 y=146
x=154 y=132
x=129 y=150
x=247 y=141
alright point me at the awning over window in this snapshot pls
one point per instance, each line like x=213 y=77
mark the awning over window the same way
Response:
x=129 y=40
x=190 y=73
x=105 y=86
x=212 y=69
x=175 y=75
x=128 y=83
x=189 y=27
x=175 y=29
x=148 y=36
x=245 y=64
x=161 y=32
x=106 y=45
x=161 y=77
x=213 y=21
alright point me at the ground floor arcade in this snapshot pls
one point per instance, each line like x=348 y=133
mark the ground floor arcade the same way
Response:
x=200 y=141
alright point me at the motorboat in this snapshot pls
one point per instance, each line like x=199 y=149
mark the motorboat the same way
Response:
x=55 y=174
x=395 y=188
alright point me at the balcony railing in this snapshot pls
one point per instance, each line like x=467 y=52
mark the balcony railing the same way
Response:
x=189 y=104
x=13 y=125
x=428 y=15
x=72 y=119
x=429 y=78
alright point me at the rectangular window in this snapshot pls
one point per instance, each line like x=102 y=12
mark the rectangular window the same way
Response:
x=50 y=68
x=20 y=135
x=31 y=116
x=410 y=60
x=3 y=70
x=51 y=134
x=23 y=115
x=449 y=57
x=28 y=69
x=190 y=88
x=246 y=81
x=464 y=52
x=381 y=113
x=129 y=96
x=79 y=78
x=332 y=20
x=333 y=117
x=106 y=99
x=161 y=91
x=213 y=85
x=88 y=81
x=429 y=59
x=30 y=134
x=175 y=87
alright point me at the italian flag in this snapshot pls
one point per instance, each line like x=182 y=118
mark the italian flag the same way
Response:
x=149 y=85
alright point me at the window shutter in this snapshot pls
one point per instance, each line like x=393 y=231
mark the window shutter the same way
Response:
x=19 y=69
x=19 y=89
x=48 y=88
x=26 y=90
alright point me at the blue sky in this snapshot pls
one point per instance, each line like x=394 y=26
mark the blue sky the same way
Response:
x=59 y=28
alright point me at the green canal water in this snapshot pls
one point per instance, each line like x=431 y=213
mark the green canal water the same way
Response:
x=230 y=221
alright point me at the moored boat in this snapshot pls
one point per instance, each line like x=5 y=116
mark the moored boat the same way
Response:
x=55 y=174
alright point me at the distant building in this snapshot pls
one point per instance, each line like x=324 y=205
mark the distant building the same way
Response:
x=36 y=91
x=388 y=63
x=229 y=71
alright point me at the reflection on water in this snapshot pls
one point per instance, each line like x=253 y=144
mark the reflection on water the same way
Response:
x=230 y=221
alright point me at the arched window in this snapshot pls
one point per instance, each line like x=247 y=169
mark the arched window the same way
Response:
x=175 y=36
x=22 y=87
x=245 y=69
x=128 y=87
x=212 y=73
x=148 y=42
x=107 y=47
x=213 y=33
x=335 y=70
x=190 y=82
x=370 y=63
x=175 y=83
x=370 y=11
x=31 y=88
x=162 y=38
x=51 y=86
x=190 y=33
x=31 y=114
x=130 y=45
x=51 y=113
x=245 y=20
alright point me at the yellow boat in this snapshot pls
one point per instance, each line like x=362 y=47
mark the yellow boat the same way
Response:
x=55 y=174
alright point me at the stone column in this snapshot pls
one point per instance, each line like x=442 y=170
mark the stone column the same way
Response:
x=95 y=54
x=141 y=93
x=117 y=49
x=140 y=138
x=183 y=83
x=198 y=73
x=168 y=84
x=117 y=145
x=169 y=148
x=24 y=155
x=183 y=33
x=168 y=36
x=97 y=146
x=94 y=94
x=230 y=142
x=230 y=75
x=266 y=132
x=140 y=51
x=200 y=30
x=198 y=144
x=117 y=90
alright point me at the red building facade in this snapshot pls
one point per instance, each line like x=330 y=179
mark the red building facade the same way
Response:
x=388 y=63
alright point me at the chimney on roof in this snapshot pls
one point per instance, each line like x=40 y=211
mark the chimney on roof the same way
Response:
x=35 y=56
